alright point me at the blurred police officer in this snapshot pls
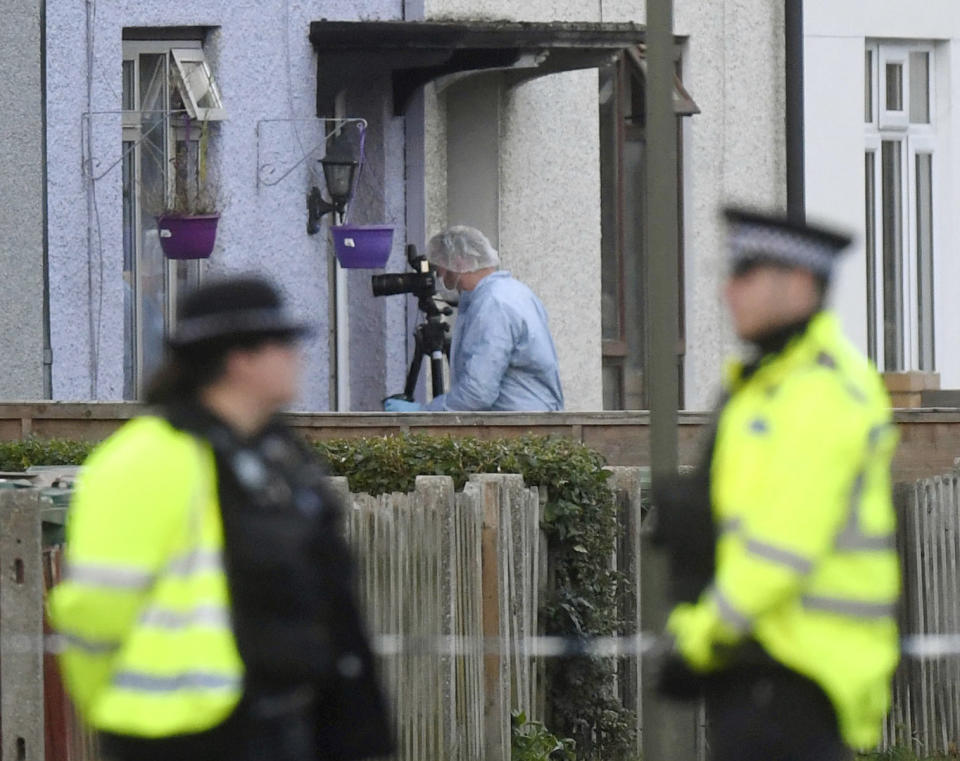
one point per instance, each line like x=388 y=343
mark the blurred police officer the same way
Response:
x=207 y=605
x=790 y=631
x=503 y=357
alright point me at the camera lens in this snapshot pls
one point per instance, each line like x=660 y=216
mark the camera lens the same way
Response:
x=392 y=284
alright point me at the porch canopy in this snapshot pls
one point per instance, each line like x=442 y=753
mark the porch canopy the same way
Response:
x=414 y=53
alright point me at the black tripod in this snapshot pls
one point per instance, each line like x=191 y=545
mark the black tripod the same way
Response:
x=432 y=338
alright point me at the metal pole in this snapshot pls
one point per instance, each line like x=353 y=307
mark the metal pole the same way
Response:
x=662 y=243
x=47 y=341
x=669 y=730
x=793 y=33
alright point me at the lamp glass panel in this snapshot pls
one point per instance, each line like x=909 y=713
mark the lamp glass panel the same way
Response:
x=339 y=178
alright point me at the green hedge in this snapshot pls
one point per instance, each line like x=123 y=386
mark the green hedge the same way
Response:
x=581 y=525
x=579 y=519
x=20 y=455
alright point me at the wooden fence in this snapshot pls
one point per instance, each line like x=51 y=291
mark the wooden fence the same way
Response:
x=926 y=694
x=470 y=566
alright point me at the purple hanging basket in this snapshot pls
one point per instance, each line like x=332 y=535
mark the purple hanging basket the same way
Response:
x=362 y=246
x=187 y=237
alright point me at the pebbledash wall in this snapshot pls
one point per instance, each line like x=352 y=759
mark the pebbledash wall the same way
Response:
x=548 y=216
x=734 y=152
x=21 y=201
x=266 y=69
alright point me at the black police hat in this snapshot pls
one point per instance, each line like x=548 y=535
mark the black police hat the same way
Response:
x=234 y=307
x=755 y=238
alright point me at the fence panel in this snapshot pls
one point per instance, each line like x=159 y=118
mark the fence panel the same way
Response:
x=471 y=566
x=21 y=626
x=465 y=566
x=926 y=693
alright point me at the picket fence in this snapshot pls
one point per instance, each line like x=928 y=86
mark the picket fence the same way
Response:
x=468 y=566
x=434 y=565
x=472 y=565
x=926 y=693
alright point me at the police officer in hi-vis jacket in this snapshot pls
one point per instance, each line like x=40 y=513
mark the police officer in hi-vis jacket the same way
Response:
x=207 y=606
x=783 y=539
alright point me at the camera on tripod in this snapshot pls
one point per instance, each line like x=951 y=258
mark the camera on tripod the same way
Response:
x=432 y=336
x=422 y=282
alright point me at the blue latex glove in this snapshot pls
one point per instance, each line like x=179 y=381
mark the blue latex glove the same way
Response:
x=401 y=405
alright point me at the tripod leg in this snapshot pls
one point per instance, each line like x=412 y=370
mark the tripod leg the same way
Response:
x=436 y=372
x=414 y=372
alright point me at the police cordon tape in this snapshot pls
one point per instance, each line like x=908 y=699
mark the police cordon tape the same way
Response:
x=914 y=646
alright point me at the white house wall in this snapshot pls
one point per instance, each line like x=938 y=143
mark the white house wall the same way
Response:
x=836 y=34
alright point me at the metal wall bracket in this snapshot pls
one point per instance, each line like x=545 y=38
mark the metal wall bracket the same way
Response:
x=268 y=174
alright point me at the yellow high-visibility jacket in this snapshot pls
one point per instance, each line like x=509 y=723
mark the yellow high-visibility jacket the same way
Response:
x=806 y=562
x=143 y=609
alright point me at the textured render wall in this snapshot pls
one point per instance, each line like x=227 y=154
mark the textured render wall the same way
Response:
x=435 y=159
x=550 y=217
x=377 y=339
x=734 y=152
x=21 y=203
x=533 y=10
x=549 y=193
x=266 y=69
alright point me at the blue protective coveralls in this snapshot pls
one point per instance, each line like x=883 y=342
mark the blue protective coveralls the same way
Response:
x=503 y=356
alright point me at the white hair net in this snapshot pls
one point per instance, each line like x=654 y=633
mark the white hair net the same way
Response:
x=462 y=249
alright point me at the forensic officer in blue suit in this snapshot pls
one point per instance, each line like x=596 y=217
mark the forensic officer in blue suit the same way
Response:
x=503 y=357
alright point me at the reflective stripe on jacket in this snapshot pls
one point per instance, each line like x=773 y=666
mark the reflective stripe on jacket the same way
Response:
x=806 y=562
x=143 y=607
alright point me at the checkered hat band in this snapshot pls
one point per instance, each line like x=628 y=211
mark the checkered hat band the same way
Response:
x=267 y=320
x=749 y=243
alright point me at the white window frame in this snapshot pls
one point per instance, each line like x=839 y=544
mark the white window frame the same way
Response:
x=916 y=139
x=196 y=86
x=133 y=135
x=919 y=144
x=886 y=54
x=875 y=349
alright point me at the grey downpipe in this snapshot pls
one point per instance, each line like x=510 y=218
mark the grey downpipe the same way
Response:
x=793 y=32
x=47 y=343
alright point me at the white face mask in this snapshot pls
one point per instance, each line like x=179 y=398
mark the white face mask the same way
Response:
x=449 y=294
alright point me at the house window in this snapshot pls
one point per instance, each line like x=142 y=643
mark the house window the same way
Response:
x=169 y=99
x=623 y=151
x=900 y=201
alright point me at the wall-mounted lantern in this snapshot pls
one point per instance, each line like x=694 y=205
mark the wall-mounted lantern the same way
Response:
x=339 y=175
